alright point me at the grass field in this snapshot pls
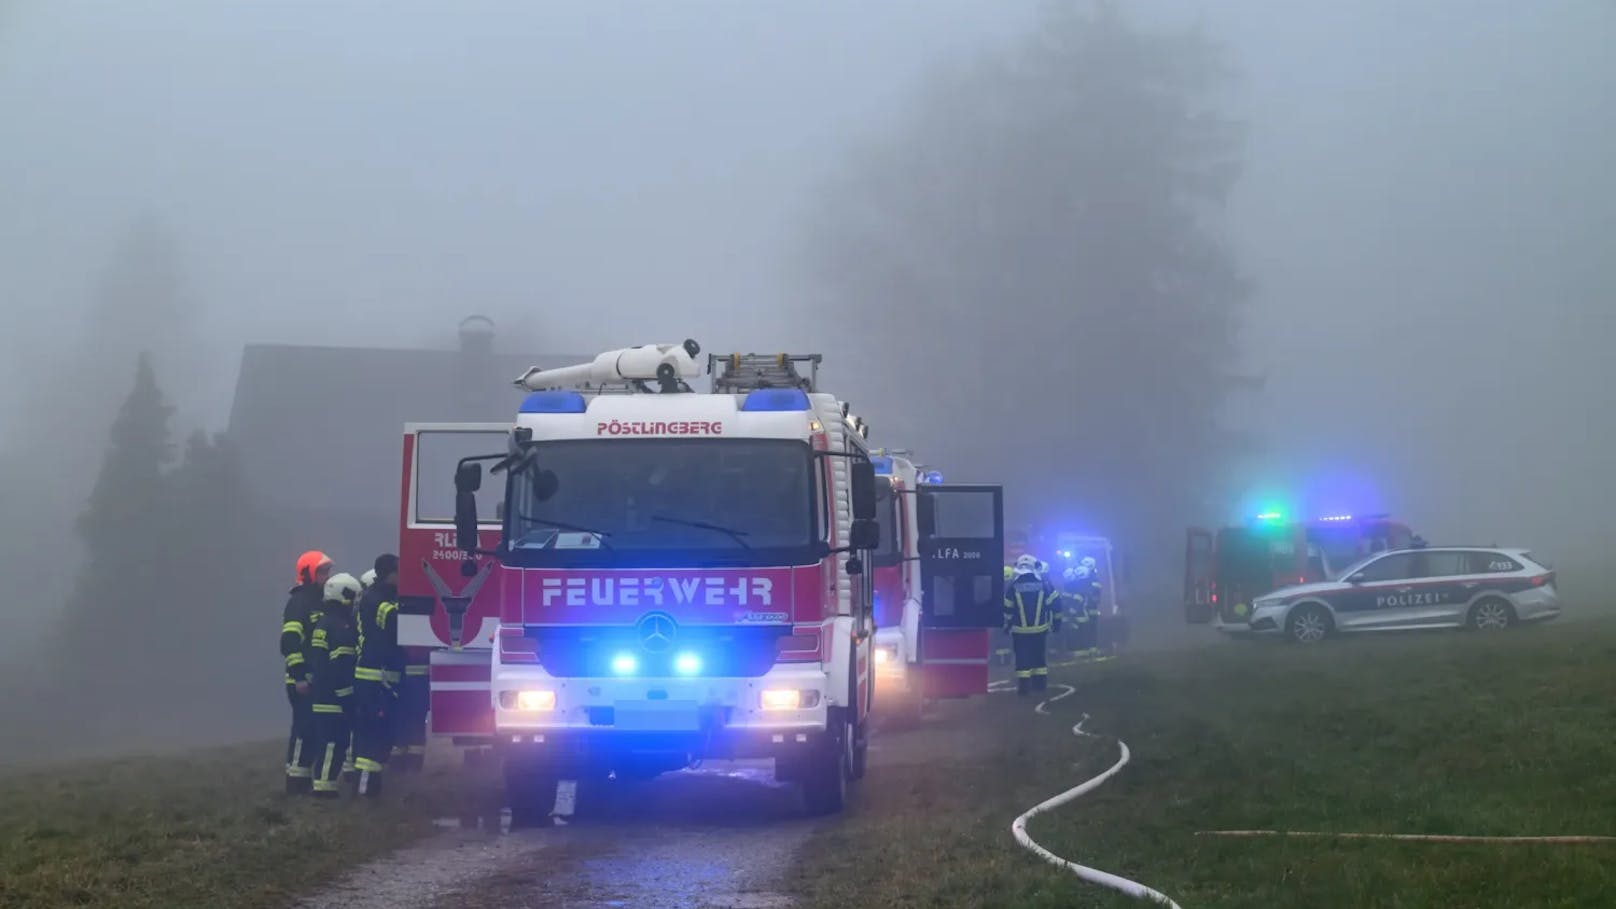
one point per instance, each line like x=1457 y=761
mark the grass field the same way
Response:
x=1443 y=734
x=207 y=830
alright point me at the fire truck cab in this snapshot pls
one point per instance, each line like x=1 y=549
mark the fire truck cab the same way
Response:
x=1225 y=570
x=659 y=575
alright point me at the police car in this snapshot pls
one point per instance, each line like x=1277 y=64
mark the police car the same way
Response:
x=1486 y=589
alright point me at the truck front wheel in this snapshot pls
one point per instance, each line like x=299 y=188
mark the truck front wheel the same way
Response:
x=530 y=789
x=825 y=779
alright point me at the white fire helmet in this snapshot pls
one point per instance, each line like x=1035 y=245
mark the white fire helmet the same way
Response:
x=342 y=588
x=1026 y=564
x=1089 y=564
x=368 y=578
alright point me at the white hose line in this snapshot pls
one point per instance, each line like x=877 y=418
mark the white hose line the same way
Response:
x=1417 y=837
x=1092 y=875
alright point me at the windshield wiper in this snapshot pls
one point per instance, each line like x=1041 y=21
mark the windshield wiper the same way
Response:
x=739 y=536
x=599 y=535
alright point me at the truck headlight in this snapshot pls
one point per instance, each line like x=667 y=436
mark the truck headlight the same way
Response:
x=883 y=656
x=789 y=699
x=532 y=701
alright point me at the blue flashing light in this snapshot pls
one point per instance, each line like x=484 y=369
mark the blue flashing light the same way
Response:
x=625 y=664
x=882 y=465
x=1336 y=518
x=554 y=402
x=687 y=664
x=932 y=478
x=1271 y=516
x=775 y=400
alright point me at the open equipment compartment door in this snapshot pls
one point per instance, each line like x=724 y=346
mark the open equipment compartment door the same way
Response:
x=961 y=556
x=961 y=551
x=1200 y=576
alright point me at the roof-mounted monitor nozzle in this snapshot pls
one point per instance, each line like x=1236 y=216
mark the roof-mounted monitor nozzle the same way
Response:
x=669 y=365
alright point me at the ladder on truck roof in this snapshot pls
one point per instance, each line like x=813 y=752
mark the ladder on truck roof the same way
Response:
x=740 y=373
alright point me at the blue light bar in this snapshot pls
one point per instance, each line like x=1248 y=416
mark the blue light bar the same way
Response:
x=882 y=465
x=625 y=664
x=687 y=664
x=554 y=402
x=775 y=400
x=1336 y=518
x=932 y=478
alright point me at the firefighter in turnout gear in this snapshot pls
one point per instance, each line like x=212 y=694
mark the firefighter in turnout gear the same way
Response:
x=1082 y=593
x=1031 y=610
x=377 y=677
x=334 y=646
x=302 y=613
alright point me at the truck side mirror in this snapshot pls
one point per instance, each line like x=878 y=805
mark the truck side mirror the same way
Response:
x=855 y=567
x=466 y=522
x=468 y=479
x=865 y=535
x=545 y=484
x=863 y=480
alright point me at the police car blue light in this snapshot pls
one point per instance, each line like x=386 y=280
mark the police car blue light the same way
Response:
x=882 y=465
x=932 y=478
x=554 y=402
x=775 y=400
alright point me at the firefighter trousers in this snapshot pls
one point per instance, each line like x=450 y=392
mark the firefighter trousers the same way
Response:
x=409 y=732
x=331 y=729
x=300 y=742
x=1032 y=666
x=374 y=704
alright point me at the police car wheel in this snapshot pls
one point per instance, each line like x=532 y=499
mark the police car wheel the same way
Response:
x=1308 y=623
x=1491 y=614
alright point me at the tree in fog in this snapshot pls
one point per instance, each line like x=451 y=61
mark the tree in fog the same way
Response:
x=1037 y=245
x=111 y=621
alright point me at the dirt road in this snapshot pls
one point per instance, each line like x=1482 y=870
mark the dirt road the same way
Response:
x=720 y=837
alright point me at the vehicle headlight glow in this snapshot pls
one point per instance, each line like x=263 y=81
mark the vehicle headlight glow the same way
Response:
x=535 y=701
x=882 y=656
x=625 y=664
x=687 y=664
x=788 y=699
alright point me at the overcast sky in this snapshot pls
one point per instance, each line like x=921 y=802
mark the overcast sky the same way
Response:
x=1427 y=209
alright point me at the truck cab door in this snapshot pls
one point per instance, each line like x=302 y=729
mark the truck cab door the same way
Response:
x=451 y=617
x=961 y=551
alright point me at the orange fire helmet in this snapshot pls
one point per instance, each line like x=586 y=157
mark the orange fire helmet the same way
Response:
x=309 y=565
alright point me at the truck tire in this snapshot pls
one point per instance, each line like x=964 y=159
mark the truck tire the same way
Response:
x=826 y=779
x=530 y=790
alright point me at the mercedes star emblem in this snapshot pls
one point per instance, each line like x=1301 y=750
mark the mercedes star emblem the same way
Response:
x=656 y=631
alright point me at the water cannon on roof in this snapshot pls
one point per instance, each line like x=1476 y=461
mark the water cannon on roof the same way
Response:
x=669 y=365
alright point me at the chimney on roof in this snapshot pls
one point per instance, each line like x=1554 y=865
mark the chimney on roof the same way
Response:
x=477 y=336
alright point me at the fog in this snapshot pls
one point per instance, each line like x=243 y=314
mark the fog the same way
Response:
x=1424 y=213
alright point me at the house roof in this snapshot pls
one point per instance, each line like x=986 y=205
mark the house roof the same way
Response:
x=316 y=426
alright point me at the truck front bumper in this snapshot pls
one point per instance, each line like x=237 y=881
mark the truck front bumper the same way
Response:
x=707 y=717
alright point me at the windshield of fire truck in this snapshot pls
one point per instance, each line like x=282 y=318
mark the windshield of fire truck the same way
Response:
x=663 y=503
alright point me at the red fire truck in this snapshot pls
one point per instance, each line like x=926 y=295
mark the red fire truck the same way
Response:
x=1225 y=569
x=667 y=575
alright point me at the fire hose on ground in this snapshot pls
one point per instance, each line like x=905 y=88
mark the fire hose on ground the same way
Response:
x=1093 y=875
